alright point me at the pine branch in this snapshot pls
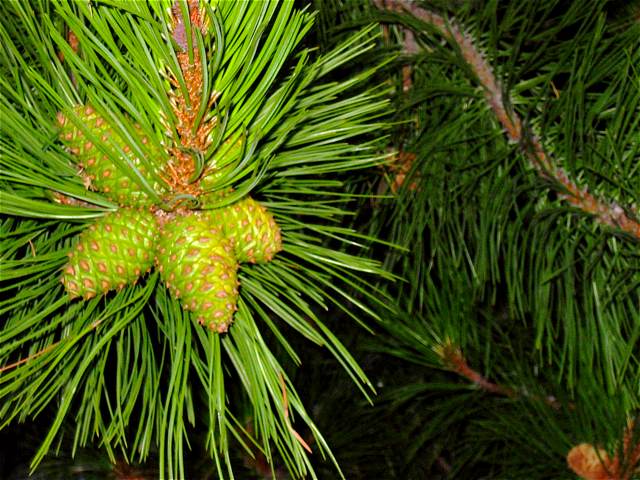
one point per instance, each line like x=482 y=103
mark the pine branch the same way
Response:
x=542 y=315
x=194 y=135
x=606 y=212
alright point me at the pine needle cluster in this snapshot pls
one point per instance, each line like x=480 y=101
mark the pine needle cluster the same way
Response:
x=193 y=106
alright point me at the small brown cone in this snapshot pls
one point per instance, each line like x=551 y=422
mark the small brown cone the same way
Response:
x=589 y=463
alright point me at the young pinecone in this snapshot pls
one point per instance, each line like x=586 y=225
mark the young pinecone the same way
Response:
x=111 y=253
x=255 y=233
x=199 y=267
x=100 y=171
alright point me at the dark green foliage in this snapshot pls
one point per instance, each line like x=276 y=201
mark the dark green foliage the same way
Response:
x=539 y=297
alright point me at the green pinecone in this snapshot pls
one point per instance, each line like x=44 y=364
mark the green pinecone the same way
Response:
x=199 y=267
x=255 y=233
x=100 y=172
x=113 y=252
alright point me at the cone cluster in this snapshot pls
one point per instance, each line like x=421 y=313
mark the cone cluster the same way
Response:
x=197 y=253
x=252 y=229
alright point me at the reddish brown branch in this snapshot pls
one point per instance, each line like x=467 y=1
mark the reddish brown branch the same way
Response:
x=605 y=212
x=585 y=460
x=193 y=133
x=453 y=358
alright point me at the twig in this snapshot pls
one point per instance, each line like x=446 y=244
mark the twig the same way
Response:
x=193 y=132
x=94 y=325
x=452 y=357
x=27 y=359
x=607 y=213
x=286 y=415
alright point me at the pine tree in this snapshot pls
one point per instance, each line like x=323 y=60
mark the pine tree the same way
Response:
x=515 y=190
x=166 y=165
x=505 y=194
